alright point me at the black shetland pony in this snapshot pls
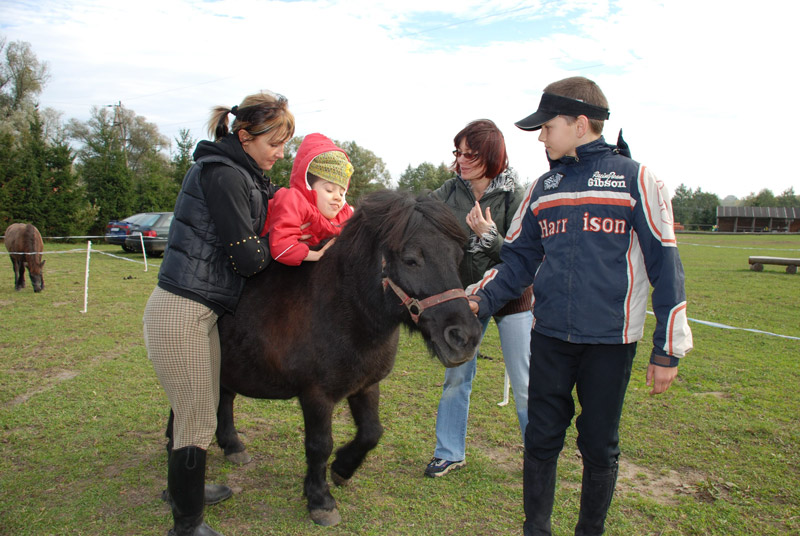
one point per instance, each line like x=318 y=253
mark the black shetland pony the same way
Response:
x=24 y=245
x=328 y=330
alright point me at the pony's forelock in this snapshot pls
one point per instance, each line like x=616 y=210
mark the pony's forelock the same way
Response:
x=397 y=215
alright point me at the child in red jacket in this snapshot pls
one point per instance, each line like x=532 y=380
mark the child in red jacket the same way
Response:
x=316 y=195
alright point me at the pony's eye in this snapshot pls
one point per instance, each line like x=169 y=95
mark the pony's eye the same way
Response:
x=412 y=262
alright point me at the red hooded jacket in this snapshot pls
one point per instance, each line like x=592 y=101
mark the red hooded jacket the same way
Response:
x=291 y=207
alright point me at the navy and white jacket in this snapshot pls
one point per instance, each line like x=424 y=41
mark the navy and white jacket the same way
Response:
x=592 y=235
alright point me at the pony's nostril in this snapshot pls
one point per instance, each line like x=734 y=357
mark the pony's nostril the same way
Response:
x=455 y=337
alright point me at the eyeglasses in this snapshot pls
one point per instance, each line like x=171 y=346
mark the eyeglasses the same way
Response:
x=469 y=157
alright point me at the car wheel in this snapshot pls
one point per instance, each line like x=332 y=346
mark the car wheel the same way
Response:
x=127 y=248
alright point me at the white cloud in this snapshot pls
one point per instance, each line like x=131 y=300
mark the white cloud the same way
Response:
x=692 y=83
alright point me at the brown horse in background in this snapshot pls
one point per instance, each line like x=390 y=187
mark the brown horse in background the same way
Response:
x=24 y=245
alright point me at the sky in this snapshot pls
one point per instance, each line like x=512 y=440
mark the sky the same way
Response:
x=692 y=83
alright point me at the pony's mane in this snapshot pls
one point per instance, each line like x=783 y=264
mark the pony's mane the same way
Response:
x=395 y=216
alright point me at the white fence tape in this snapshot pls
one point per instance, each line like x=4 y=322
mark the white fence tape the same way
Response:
x=89 y=252
x=736 y=247
x=704 y=322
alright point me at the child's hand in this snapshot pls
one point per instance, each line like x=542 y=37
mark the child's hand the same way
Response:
x=304 y=237
x=317 y=255
x=477 y=222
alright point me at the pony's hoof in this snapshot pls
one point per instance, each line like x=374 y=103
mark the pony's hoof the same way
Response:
x=239 y=458
x=326 y=518
x=338 y=479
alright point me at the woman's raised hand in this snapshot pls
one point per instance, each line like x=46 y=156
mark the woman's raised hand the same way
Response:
x=479 y=223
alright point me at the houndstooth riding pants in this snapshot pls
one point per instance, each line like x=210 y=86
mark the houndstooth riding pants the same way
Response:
x=182 y=342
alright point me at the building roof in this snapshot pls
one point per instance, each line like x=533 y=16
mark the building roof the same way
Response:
x=787 y=213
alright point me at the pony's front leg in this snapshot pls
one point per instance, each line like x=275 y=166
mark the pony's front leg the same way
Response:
x=364 y=408
x=317 y=414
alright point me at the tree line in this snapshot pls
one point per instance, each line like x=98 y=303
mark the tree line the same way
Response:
x=696 y=209
x=71 y=177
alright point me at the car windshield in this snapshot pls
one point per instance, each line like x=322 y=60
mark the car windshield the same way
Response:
x=135 y=218
x=148 y=220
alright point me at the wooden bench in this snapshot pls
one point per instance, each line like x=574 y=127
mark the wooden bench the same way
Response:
x=757 y=263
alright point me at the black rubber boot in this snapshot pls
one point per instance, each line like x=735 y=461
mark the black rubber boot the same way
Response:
x=597 y=489
x=538 y=489
x=186 y=484
x=214 y=493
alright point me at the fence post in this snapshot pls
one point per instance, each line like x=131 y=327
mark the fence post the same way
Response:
x=506 y=386
x=86 y=280
x=144 y=253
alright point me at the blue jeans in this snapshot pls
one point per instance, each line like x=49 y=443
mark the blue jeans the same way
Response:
x=451 y=421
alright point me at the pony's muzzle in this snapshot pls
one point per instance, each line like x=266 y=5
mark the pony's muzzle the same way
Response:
x=462 y=343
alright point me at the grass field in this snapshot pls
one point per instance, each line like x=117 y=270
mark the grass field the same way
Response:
x=82 y=417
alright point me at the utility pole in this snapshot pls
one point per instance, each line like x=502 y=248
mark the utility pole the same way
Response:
x=123 y=135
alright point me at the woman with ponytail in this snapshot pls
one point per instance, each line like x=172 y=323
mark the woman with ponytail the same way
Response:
x=213 y=246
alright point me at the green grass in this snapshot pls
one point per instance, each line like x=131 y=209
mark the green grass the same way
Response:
x=82 y=417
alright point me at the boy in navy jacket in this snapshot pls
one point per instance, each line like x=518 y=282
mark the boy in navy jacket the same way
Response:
x=592 y=235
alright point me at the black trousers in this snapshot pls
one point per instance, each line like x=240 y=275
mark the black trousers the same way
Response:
x=600 y=372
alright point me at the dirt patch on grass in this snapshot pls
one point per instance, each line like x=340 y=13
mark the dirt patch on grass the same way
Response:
x=508 y=459
x=717 y=394
x=663 y=487
x=53 y=378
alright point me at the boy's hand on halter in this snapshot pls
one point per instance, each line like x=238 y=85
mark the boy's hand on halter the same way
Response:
x=473 y=303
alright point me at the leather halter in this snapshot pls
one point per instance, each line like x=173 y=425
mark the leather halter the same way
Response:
x=416 y=307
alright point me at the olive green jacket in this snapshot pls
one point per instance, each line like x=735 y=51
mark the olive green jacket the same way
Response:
x=503 y=197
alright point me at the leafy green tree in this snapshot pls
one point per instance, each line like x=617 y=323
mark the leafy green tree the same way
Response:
x=282 y=170
x=123 y=164
x=694 y=208
x=424 y=177
x=369 y=174
x=787 y=199
x=182 y=158
x=153 y=185
x=103 y=167
x=705 y=209
x=682 y=204
x=7 y=158
x=38 y=183
x=764 y=198
x=22 y=78
x=68 y=213
x=23 y=177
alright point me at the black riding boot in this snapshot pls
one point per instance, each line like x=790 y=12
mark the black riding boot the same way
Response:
x=214 y=493
x=186 y=484
x=597 y=490
x=538 y=488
